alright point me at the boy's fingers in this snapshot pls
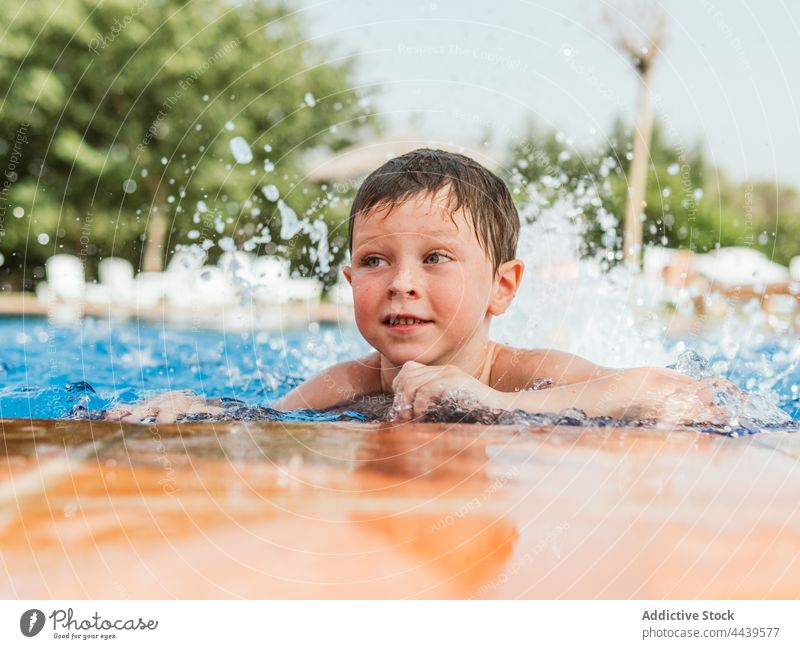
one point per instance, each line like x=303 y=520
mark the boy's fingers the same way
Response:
x=203 y=406
x=410 y=368
x=424 y=399
x=166 y=416
x=415 y=387
x=431 y=388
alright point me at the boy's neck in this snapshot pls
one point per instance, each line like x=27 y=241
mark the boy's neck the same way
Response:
x=470 y=358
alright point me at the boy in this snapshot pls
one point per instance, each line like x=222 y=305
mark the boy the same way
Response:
x=433 y=239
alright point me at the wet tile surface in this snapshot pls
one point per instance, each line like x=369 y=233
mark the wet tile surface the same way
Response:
x=255 y=510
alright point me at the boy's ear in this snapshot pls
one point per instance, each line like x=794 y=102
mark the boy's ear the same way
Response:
x=347 y=270
x=506 y=283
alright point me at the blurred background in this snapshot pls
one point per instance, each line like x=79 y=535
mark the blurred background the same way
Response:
x=133 y=128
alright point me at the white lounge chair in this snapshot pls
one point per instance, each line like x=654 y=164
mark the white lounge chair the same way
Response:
x=149 y=288
x=214 y=288
x=117 y=274
x=238 y=267
x=116 y=283
x=655 y=260
x=303 y=289
x=270 y=277
x=737 y=266
x=181 y=273
x=65 y=280
x=794 y=269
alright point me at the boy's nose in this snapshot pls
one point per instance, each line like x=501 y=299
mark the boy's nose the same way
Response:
x=402 y=284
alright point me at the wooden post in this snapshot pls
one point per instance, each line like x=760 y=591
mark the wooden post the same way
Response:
x=637 y=177
x=156 y=231
x=642 y=58
x=155 y=237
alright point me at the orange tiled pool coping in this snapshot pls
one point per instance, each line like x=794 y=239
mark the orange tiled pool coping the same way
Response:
x=270 y=510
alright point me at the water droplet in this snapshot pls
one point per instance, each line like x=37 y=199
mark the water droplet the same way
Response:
x=129 y=186
x=270 y=192
x=309 y=99
x=18 y=211
x=241 y=150
x=43 y=238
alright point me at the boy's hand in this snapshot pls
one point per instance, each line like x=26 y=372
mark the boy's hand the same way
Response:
x=418 y=386
x=706 y=401
x=166 y=408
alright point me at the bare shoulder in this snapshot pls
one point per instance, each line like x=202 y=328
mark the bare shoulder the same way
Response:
x=335 y=384
x=520 y=369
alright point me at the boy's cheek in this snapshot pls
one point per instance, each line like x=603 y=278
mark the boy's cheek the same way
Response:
x=364 y=298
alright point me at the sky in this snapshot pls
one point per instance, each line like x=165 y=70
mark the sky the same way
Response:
x=727 y=76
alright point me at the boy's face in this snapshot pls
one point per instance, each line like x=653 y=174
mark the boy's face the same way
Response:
x=419 y=262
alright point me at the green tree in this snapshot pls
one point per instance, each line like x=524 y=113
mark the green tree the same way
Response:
x=148 y=123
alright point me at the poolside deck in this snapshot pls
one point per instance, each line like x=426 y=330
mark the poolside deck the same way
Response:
x=276 y=317
x=259 y=510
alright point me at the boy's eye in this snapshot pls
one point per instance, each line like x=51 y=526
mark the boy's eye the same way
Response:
x=372 y=262
x=437 y=258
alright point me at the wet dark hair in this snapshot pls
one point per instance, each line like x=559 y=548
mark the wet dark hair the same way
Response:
x=483 y=196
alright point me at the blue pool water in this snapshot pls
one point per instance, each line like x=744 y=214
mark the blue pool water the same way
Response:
x=46 y=369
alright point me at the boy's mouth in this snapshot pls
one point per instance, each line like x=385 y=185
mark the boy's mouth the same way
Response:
x=404 y=321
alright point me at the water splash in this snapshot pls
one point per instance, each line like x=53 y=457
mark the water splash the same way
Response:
x=572 y=302
x=584 y=304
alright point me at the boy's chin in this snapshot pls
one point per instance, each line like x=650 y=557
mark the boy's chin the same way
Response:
x=400 y=356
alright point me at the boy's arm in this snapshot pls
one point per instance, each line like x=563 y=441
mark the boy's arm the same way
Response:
x=638 y=393
x=328 y=388
x=334 y=385
x=520 y=369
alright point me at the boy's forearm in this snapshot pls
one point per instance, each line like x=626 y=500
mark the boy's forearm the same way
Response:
x=332 y=386
x=634 y=393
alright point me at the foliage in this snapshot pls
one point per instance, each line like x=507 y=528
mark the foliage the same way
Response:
x=127 y=110
x=688 y=204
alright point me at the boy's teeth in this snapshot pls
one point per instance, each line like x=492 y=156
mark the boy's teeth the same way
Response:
x=405 y=321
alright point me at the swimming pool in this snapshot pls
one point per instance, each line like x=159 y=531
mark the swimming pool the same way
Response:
x=46 y=369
